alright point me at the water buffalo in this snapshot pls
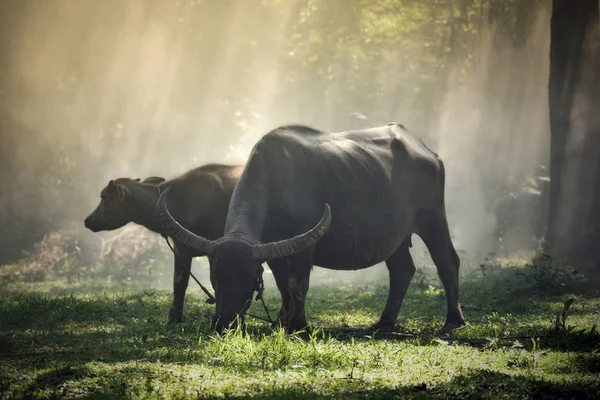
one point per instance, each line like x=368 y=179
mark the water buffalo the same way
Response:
x=367 y=191
x=200 y=201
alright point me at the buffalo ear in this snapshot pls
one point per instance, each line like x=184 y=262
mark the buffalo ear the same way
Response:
x=122 y=192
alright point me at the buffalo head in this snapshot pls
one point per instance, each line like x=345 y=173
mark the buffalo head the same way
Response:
x=113 y=211
x=236 y=261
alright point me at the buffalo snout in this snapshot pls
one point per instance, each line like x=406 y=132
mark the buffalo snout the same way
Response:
x=91 y=224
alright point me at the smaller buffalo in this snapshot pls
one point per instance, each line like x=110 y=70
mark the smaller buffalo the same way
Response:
x=199 y=199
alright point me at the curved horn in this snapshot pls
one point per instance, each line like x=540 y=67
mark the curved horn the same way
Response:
x=179 y=234
x=289 y=247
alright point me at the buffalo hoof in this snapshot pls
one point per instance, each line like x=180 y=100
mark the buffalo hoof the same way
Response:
x=175 y=316
x=281 y=321
x=383 y=326
x=293 y=327
x=451 y=327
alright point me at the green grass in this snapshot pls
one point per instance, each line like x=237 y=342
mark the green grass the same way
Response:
x=96 y=339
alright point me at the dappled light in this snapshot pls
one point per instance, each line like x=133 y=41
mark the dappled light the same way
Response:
x=92 y=91
x=90 y=94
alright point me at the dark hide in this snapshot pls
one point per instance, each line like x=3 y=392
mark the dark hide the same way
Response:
x=382 y=185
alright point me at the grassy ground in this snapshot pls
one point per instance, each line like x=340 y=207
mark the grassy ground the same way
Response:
x=93 y=338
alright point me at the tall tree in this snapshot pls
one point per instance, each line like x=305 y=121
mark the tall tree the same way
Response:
x=574 y=94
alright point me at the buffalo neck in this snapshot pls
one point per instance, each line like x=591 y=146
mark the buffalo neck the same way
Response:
x=143 y=201
x=249 y=203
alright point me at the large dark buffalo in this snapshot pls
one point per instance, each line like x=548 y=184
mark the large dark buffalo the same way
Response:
x=199 y=200
x=367 y=191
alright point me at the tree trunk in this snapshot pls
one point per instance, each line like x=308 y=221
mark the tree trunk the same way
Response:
x=573 y=231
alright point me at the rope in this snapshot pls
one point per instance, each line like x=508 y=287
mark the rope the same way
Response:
x=260 y=288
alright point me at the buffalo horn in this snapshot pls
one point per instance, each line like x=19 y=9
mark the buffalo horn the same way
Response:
x=288 y=247
x=177 y=232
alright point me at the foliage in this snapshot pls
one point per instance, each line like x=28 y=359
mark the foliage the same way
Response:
x=550 y=274
x=68 y=256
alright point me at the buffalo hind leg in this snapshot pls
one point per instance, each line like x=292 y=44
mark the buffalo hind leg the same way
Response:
x=433 y=229
x=181 y=277
x=401 y=269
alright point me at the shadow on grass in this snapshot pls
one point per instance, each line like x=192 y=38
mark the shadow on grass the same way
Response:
x=62 y=381
x=132 y=326
x=475 y=385
x=478 y=385
x=157 y=343
x=22 y=310
x=68 y=335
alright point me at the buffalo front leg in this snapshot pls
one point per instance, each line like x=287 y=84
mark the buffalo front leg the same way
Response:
x=434 y=231
x=401 y=269
x=181 y=277
x=295 y=283
x=298 y=286
x=281 y=273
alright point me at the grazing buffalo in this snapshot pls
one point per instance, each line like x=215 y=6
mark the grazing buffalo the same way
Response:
x=200 y=200
x=343 y=201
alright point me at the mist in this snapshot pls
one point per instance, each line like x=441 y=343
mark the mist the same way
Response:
x=91 y=91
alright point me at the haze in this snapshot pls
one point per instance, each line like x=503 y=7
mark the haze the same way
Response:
x=91 y=91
